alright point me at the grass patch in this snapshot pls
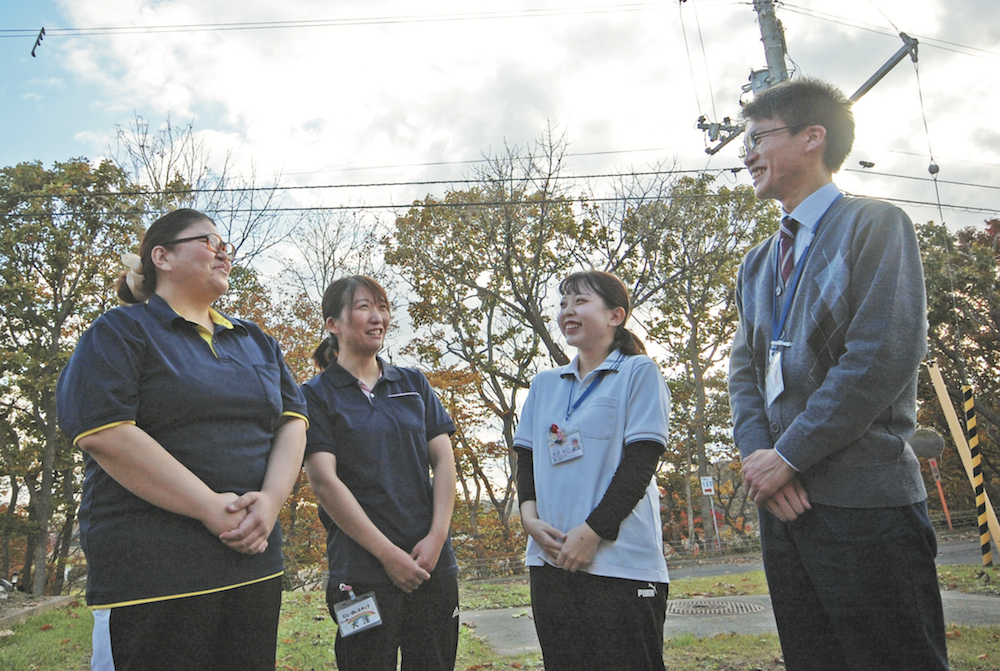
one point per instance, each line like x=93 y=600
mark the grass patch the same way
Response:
x=489 y=595
x=970 y=579
x=306 y=634
x=974 y=648
x=517 y=594
x=60 y=639
x=56 y=639
x=969 y=649
x=726 y=652
x=751 y=583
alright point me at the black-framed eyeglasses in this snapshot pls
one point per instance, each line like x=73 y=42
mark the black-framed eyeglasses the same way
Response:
x=751 y=140
x=214 y=243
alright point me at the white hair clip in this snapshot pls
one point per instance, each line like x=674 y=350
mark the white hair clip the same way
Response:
x=134 y=279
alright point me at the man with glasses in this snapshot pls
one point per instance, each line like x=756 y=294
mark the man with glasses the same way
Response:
x=822 y=384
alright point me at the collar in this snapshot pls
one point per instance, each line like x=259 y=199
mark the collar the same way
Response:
x=812 y=209
x=611 y=364
x=166 y=315
x=220 y=319
x=341 y=377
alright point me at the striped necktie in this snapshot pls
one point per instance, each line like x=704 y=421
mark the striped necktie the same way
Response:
x=786 y=247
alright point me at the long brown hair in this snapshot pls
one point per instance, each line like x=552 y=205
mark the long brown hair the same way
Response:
x=615 y=295
x=339 y=295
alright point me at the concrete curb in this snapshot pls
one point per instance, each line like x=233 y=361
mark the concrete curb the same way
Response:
x=47 y=604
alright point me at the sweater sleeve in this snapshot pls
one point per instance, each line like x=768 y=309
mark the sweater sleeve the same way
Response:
x=750 y=430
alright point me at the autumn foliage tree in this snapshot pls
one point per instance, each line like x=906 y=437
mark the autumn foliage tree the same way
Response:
x=962 y=272
x=483 y=542
x=483 y=265
x=706 y=232
x=63 y=231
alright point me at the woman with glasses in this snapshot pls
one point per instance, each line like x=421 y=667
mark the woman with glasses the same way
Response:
x=376 y=431
x=193 y=433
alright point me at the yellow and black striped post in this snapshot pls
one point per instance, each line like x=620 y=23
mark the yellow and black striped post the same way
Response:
x=977 y=475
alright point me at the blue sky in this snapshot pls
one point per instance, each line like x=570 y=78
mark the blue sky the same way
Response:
x=386 y=90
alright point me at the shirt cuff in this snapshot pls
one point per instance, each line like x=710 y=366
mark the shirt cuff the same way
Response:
x=786 y=461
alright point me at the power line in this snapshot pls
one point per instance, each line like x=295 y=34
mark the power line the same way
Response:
x=948 y=158
x=334 y=23
x=924 y=40
x=569 y=200
x=431 y=164
x=356 y=185
x=923 y=179
x=468 y=182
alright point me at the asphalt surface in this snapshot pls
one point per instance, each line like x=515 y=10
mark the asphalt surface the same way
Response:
x=511 y=631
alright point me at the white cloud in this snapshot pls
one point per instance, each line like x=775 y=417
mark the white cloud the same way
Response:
x=409 y=92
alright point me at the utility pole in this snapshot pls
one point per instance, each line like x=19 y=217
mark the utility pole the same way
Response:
x=773 y=36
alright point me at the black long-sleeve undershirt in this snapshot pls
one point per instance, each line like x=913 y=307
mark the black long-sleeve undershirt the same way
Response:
x=639 y=460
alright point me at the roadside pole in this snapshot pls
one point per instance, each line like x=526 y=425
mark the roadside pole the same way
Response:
x=708 y=489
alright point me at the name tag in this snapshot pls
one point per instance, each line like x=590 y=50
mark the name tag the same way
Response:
x=565 y=447
x=354 y=615
x=774 y=384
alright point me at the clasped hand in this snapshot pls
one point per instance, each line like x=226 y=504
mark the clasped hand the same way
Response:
x=571 y=551
x=242 y=523
x=774 y=485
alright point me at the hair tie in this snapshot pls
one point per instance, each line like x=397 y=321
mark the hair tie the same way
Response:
x=134 y=278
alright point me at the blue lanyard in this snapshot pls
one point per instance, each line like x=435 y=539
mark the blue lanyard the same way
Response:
x=778 y=325
x=570 y=405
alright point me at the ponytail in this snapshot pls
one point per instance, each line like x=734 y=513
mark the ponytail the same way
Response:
x=326 y=352
x=627 y=342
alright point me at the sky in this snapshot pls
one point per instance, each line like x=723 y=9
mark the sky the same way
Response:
x=358 y=92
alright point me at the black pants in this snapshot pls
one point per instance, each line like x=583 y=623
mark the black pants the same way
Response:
x=236 y=629
x=422 y=626
x=855 y=589
x=592 y=622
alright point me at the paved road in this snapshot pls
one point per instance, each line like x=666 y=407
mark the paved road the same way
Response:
x=510 y=631
x=952 y=550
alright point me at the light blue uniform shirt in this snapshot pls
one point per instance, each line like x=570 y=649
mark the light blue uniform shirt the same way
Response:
x=630 y=404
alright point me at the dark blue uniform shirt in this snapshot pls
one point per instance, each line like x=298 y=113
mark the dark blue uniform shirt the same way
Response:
x=380 y=442
x=216 y=412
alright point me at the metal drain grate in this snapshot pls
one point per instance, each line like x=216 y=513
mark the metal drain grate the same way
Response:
x=712 y=608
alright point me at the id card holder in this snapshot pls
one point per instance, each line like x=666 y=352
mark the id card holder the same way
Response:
x=774 y=384
x=565 y=447
x=357 y=613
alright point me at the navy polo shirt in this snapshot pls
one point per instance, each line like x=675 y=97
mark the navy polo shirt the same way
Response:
x=380 y=442
x=215 y=411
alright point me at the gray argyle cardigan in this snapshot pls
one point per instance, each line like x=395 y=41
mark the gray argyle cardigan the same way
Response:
x=858 y=328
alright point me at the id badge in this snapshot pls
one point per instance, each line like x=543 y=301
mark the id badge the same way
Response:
x=565 y=447
x=357 y=613
x=774 y=384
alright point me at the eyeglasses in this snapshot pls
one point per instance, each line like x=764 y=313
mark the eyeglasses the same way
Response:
x=751 y=140
x=212 y=241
